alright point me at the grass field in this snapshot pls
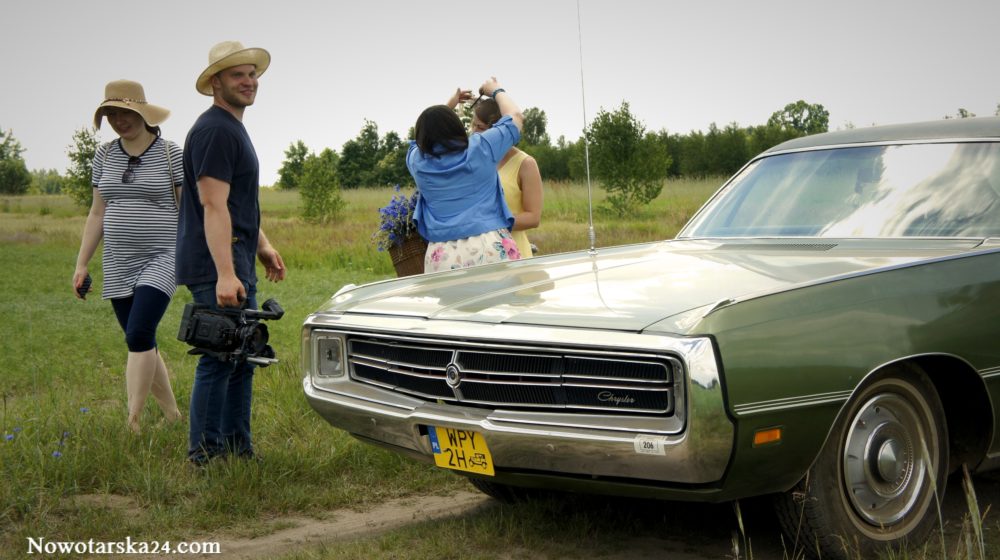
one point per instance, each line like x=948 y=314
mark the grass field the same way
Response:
x=63 y=395
x=66 y=453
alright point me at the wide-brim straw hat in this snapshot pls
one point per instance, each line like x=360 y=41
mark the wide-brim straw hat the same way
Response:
x=226 y=55
x=127 y=94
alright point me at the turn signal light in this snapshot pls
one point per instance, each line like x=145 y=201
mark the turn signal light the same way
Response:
x=768 y=435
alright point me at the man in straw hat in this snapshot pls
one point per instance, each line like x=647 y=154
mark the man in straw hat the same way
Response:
x=218 y=238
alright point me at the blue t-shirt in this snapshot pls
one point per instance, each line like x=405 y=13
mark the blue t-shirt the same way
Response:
x=218 y=146
x=460 y=192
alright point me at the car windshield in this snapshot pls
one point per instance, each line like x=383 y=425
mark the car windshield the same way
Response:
x=915 y=190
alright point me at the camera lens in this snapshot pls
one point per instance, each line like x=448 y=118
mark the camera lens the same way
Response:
x=257 y=338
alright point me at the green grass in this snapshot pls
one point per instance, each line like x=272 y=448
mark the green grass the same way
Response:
x=63 y=400
x=63 y=395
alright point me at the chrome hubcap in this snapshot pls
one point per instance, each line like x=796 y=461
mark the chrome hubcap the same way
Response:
x=883 y=470
x=889 y=468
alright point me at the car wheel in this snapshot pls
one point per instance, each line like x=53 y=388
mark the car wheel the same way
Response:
x=880 y=475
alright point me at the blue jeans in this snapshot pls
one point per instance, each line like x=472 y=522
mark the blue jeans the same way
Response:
x=220 y=398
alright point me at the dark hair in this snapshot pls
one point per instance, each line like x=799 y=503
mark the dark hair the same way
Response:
x=440 y=131
x=488 y=111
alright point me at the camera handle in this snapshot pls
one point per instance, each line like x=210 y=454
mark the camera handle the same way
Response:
x=270 y=310
x=262 y=362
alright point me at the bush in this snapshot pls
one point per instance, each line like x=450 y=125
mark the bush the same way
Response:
x=14 y=176
x=81 y=156
x=319 y=187
x=630 y=164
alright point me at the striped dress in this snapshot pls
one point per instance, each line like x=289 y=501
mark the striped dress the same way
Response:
x=140 y=218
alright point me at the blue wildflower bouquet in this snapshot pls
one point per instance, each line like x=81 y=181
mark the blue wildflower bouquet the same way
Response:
x=395 y=221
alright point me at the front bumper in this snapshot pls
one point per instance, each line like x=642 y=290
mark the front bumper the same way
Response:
x=693 y=448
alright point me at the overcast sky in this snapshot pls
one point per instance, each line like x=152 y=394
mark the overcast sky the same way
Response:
x=680 y=64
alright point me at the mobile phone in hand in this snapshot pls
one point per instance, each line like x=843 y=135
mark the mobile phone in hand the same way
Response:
x=84 y=287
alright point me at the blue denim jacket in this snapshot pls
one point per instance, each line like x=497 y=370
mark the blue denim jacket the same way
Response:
x=460 y=192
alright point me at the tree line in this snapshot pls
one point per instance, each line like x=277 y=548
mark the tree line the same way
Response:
x=627 y=160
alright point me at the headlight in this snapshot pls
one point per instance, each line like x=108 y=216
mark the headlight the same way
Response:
x=325 y=358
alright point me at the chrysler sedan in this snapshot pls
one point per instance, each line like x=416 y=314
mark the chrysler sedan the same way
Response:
x=825 y=329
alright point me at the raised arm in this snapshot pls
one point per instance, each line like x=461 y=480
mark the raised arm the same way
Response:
x=460 y=96
x=504 y=101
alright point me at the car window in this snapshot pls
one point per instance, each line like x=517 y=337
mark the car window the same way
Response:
x=918 y=190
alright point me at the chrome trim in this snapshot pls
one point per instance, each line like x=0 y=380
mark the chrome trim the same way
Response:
x=989 y=372
x=788 y=403
x=474 y=373
x=697 y=441
x=899 y=142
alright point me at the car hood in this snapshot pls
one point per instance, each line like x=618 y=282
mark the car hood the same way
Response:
x=631 y=287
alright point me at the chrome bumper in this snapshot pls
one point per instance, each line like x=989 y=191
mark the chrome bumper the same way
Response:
x=695 y=450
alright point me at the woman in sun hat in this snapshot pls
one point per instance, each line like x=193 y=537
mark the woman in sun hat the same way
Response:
x=461 y=210
x=137 y=180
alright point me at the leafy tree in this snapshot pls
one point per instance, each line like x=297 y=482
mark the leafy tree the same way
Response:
x=769 y=135
x=81 y=156
x=964 y=113
x=465 y=114
x=807 y=118
x=672 y=143
x=630 y=164
x=292 y=168
x=730 y=148
x=391 y=169
x=359 y=158
x=553 y=161
x=46 y=181
x=319 y=187
x=694 y=159
x=9 y=146
x=533 y=131
x=578 y=155
x=370 y=160
x=14 y=175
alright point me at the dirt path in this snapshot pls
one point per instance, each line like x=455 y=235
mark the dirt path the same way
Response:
x=341 y=525
x=680 y=531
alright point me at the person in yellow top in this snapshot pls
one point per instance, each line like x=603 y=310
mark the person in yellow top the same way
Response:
x=519 y=175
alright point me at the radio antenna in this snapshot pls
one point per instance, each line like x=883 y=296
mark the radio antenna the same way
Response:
x=591 y=236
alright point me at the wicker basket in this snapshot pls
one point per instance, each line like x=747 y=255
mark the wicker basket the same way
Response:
x=408 y=256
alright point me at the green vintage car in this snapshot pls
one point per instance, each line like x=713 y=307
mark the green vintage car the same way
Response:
x=826 y=329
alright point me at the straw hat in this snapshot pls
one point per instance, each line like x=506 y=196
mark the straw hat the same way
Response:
x=226 y=55
x=127 y=94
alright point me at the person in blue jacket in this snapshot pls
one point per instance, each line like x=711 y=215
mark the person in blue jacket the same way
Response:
x=461 y=210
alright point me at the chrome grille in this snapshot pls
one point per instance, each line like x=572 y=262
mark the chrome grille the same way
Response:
x=518 y=378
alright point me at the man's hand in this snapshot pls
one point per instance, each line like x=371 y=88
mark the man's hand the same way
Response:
x=274 y=267
x=229 y=291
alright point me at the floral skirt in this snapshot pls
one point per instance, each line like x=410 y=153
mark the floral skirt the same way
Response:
x=485 y=248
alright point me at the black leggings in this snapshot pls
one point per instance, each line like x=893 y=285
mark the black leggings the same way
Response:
x=139 y=315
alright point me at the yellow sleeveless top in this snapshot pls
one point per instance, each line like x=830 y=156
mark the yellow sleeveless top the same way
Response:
x=512 y=192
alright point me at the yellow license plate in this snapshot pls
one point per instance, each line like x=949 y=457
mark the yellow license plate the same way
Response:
x=461 y=450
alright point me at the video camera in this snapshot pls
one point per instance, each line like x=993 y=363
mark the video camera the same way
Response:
x=234 y=335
